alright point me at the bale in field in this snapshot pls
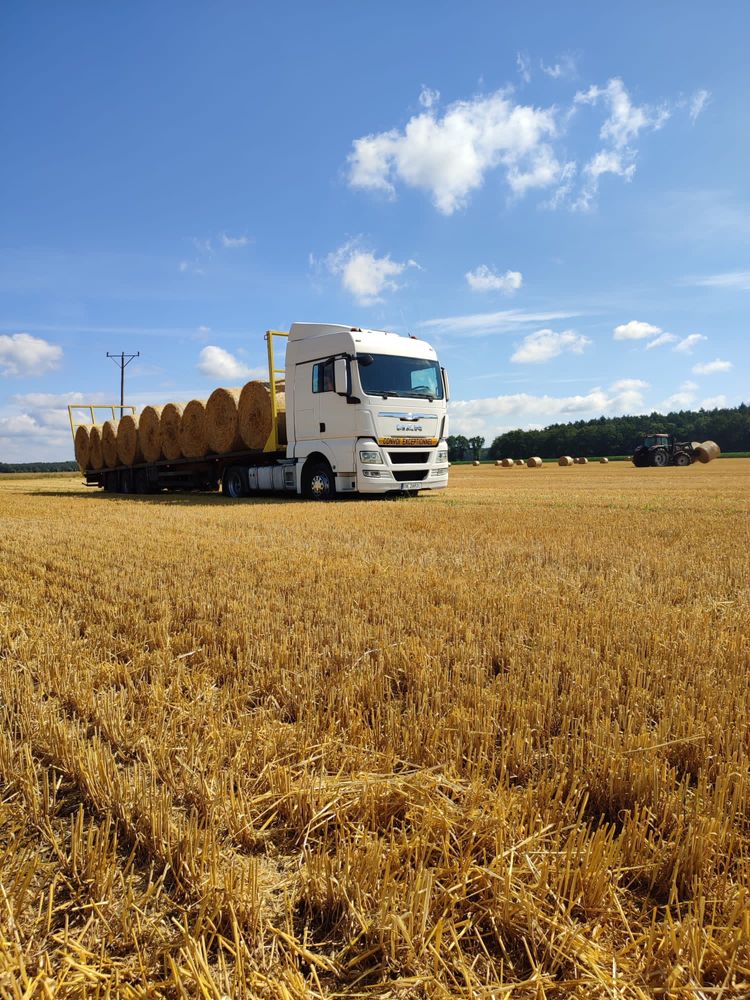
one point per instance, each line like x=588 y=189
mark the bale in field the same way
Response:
x=223 y=421
x=109 y=443
x=520 y=461
x=498 y=463
x=255 y=420
x=82 y=445
x=128 y=446
x=169 y=428
x=149 y=432
x=582 y=461
x=603 y=461
x=534 y=463
x=707 y=451
x=565 y=460
x=96 y=455
x=476 y=463
x=507 y=463
x=193 y=438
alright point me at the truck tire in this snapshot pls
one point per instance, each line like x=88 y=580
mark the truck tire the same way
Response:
x=234 y=483
x=682 y=460
x=660 y=458
x=320 y=482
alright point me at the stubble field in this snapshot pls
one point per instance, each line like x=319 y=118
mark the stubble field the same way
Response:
x=489 y=743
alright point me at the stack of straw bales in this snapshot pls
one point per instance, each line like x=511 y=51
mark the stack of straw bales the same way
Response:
x=230 y=420
x=565 y=460
x=534 y=463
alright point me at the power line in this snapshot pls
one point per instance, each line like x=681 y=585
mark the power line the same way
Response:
x=123 y=360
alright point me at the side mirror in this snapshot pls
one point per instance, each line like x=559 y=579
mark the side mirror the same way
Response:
x=446 y=385
x=365 y=359
x=341 y=381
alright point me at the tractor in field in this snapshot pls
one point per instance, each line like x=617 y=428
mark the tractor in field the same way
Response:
x=662 y=449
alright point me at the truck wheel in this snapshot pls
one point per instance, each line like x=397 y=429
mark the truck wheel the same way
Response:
x=659 y=458
x=320 y=482
x=682 y=460
x=234 y=483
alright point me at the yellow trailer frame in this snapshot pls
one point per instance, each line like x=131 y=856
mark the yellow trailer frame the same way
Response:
x=92 y=408
x=273 y=443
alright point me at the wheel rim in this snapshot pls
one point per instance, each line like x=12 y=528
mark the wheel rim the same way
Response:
x=320 y=486
x=234 y=485
x=660 y=459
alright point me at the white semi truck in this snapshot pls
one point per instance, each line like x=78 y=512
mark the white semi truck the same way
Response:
x=366 y=412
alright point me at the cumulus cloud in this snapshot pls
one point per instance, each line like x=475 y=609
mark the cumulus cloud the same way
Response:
x=698 y=102
x=220 y=364
x=687 y=344
x=449 y=155
x=714 y=402
x=663 y=338
x=636 y=330
x=363 y=274
x=546 y=344
x=681 y=399
x=484 y=279
x=715 y=367
x=493 y=415
x=22 y=354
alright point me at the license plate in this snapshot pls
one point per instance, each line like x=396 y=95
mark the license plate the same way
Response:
x=410 y=486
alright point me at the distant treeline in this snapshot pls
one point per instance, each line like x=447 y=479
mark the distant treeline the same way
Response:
x=729 y=427
x=38 y=467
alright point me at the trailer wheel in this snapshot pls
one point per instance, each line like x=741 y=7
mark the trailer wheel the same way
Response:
x=234 y=483
x=320 y=482
x=682 y=459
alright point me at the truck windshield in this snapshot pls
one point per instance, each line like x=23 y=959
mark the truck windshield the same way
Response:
x=394 y=376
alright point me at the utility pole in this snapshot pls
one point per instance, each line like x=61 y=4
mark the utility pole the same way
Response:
x=123 y=360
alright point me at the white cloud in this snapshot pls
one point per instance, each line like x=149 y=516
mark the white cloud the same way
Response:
x=524 y=66
x=663 y=338
x=22 y=354
x=714 y=402
x=496 y=414
x=546 y=344
x=687 y=344
x=449 y=156
x=636 y=330
x=682 y=399
x=231 y=242
x=428 y=97
x=484 y=279
x=565 y=68
x=729 y=279
x=714 y=367
x=364 y=275
x=220 y=364
x=483 y=324
x=698 y=102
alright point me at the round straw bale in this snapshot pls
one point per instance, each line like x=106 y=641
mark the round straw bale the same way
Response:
x=534 y=463
x=149 y=432
x=254 y=414
x=498 y=462
x=193 y=440
x=222 y=421
x=109 y=443
x=520 y=461
x=169 y=428
x=96 y=456
x=128 y=446
x=707 y=451
x=82 y=445
x=565 y=460
x=508 y=463
x=476 y=463
x=582 y=461
x=603 y=461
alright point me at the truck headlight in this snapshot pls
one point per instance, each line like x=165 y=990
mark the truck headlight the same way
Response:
x=370 y=458
x=442 y=455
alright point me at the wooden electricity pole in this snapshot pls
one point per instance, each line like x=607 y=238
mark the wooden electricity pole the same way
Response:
x=123 y=360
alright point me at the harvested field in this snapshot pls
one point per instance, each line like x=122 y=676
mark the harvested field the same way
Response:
x=493 y=742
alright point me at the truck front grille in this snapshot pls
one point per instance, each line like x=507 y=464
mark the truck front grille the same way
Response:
x=409 y=457
x=408 y=477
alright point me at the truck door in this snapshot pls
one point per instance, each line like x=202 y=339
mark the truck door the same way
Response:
x=333 y=414
x=305 y=425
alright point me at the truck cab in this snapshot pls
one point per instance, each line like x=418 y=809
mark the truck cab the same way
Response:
x=366 y=411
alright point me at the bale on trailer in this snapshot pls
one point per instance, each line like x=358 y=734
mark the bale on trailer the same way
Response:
x=193 y=439
x=565 y=460
x=149 y=432
x=82 y=445
x=128 y=446
x=603 y=461
x=169 y=428
x=223 y=421
x=96 y=455
x=707 y=451
x=534 y=463
x=109 y=443
x=507 y=463
x=255 y=418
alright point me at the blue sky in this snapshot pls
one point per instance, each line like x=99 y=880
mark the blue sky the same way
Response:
x=555 y=195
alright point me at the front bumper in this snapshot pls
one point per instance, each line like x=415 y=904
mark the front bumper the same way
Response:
x=404 y=470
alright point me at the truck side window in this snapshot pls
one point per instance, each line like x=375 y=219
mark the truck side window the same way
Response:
x=323 y=376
